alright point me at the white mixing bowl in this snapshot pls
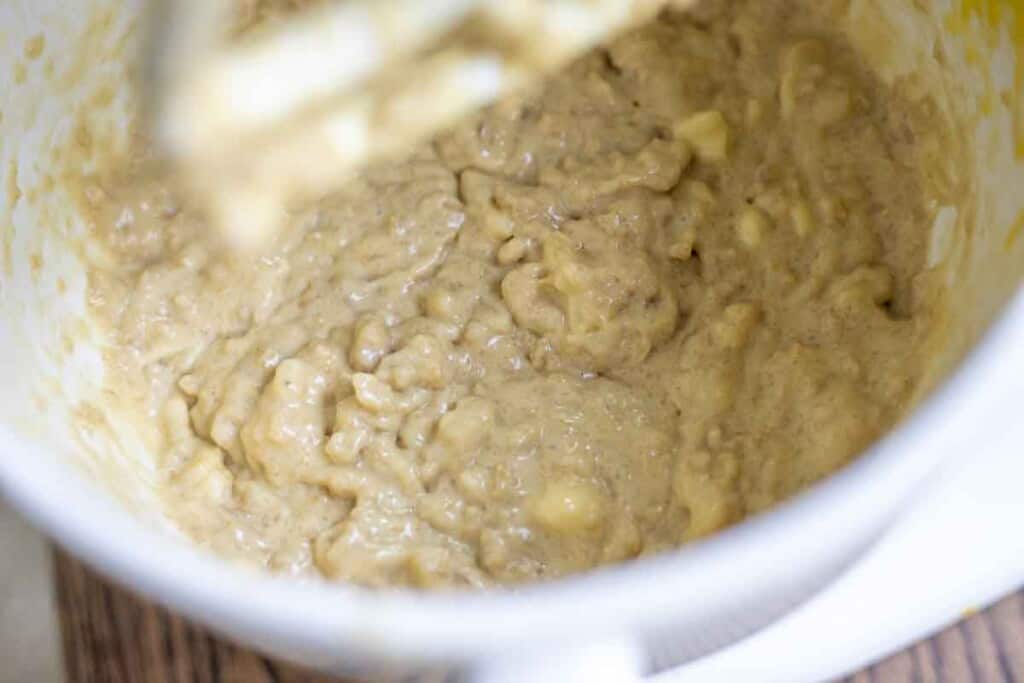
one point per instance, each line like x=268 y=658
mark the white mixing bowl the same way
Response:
x=73 y=465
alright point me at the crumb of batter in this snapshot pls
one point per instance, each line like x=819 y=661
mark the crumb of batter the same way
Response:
x=680 y=283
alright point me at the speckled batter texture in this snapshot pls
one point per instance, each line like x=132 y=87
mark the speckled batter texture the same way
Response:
x=679 y=283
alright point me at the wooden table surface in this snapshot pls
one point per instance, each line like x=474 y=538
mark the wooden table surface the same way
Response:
x=110 y=636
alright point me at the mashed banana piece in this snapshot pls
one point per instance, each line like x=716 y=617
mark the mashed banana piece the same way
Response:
x=678 y=284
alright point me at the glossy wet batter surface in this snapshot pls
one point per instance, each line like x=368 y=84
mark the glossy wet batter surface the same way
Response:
x=679 y=283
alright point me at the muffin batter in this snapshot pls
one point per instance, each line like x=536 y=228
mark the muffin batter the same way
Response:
x=680 y=282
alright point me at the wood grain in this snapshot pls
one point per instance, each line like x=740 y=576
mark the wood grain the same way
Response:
x=987 y=647
x=110 y=636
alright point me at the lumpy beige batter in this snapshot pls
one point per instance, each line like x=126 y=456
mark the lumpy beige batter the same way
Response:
x=680 y=283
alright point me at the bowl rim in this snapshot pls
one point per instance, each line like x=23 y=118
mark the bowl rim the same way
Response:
x=332 y=620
